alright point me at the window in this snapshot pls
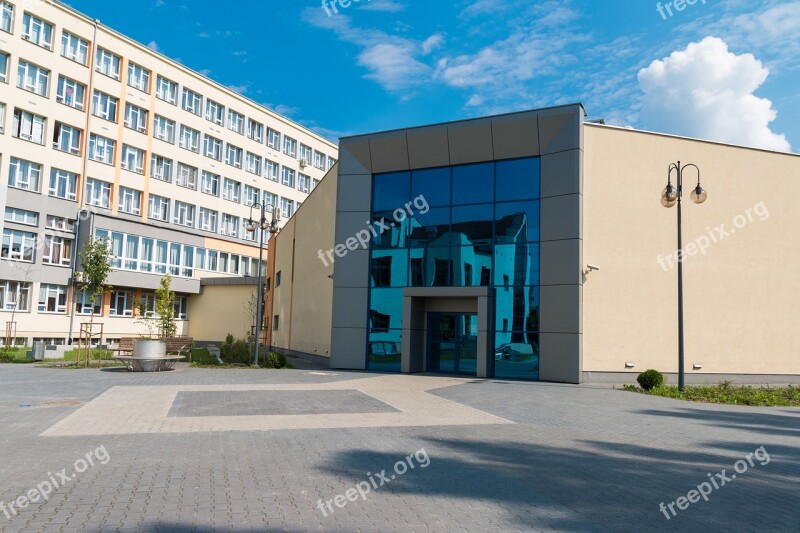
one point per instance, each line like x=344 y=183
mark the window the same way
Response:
x=52 y=299
x=28 y=126
x=24 y=175
x=63 y=184
x=254 y=163
x=255 y=130
x=138 y=77
x=18 y=245
x=278 y=279
x=233 y=156
x=209 y=184
x=4 y=61
x=107 y=63
x=305 y=154
x=158 y=208
x=57 y=250
x=105 y=106
x=6 y=17
x=273 y=139
x=304 y=183
x=161 y=168
x=121 y=303
x=215 y=112
x=67 y=139
x=230 y=225
x=59 y=223
x=32 y=78
x=289 y=146
x=190 y=139
x=98 y=193
x=314 y=183
x=287 y=177
x=319 y=160
x=132 y=159
x=37 y=31
x=83 y=304
x=276 y=323
x=2 y=117
x=101 y=149
x=71 y=93
x=236 y=122
x=270 y=199
x=331 y=162
x=166 y=90
x=135 y=118
x=74 y=48
x=21 y=216
x=213 y=148
x=181 y=307
x=232 y=190
x=273 y=170
x=14 y=295
x=164 y=129
x=130 y=201
x=192 y=102
x=250 y=195
x=184 y=214
x=208 y=219
x=187 y=176
x=287 y=207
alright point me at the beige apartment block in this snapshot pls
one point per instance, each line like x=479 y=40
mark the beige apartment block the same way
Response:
x=102 y=136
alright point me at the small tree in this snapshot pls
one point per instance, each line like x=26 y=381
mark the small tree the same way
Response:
x=165 y=308
x=95 y=261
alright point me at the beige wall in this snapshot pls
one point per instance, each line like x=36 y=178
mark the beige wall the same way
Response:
x=303 y=301
x=219 y=310
x=740 y=297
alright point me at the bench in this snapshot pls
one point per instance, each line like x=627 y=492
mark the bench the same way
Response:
x=175 y=345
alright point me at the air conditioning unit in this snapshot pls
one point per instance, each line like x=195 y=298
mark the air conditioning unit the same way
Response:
x=303 y=163
x=60 y=99
x=80 y=277
x=26 y=37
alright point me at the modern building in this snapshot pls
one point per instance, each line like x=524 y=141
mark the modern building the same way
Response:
x=102 y=136
x=534 y=246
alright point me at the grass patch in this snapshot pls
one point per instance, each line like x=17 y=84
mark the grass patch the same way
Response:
x=727 y=393
x=201 y=357
x=105 y=355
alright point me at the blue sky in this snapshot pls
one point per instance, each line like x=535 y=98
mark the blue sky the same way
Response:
x=724 y=70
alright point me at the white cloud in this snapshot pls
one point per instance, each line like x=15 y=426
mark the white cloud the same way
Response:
x=241 y=89
x=387 y=6
x=432 y=42
x=152 y=45
x=707 y=91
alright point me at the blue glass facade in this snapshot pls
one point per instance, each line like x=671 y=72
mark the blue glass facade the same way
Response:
x=459 y=226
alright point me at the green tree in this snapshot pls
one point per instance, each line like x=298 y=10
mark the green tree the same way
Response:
x=165 y=308
x=95 y=261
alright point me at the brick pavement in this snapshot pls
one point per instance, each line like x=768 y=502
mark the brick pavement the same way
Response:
x=512 y=457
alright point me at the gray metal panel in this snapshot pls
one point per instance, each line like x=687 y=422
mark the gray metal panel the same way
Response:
x=352 y=270
x=123 y=278
x=349 y=224
x=561 y=309
x=561 y=129
x=561 y=357
x=389 y=152
x=562 y=173
x=354 y=157
x=350 y=308
x=561 y=217
x=148 y=230
x=354 y=192
x=516 y=136
x=471 y=142
x=428 y=147
x=349 y=348
x=560 y=262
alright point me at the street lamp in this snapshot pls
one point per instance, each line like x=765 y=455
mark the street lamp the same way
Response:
x=669 y=197
x=262 y=225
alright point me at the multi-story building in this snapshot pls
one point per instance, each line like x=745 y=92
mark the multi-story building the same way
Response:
x=102 y=136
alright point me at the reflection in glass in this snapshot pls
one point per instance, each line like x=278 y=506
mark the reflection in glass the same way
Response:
x=433 y=184
x=518 y=179
x=517 y=222
x=430 y=267
x=473 y=184
x=516 y=264
x=390 y=191
x=471 y=265
x=431 y=228
x=472 y=224
x=389 y=268
x=517 y=309
x=516 y=355
x=384 y=350
x=386 y=232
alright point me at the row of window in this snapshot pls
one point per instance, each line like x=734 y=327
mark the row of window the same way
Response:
x=75 y=48
x=21 y=246
x=15 y=296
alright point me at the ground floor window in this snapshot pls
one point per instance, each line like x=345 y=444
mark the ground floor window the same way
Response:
x=121 y=303
x=14 y=295
x=83 y=304
x=52 y=299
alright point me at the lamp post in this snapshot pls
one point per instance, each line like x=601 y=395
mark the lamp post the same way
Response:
x=669 y=197
x=262 y=225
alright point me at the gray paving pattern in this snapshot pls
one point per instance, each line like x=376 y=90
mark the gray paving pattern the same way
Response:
x=576 y=458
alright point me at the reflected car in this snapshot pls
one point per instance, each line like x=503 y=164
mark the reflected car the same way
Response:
x=515 y=351
x=383 y=348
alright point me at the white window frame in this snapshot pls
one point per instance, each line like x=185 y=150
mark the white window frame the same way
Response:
x=6 y=17
x=288 y=176
x=164 y=129
x=254 y=163
x=192 y=102
x=130 y=201
x=209 y=183
x=57 y=250
x=132 y=159
x=105 y=106
x=158 y=208
x=37 y=31
x=32 y=78
x=251 y=195
x=74 y=47
x=101 y=149
x=59 y=223
x=289 y=146
x=29 y=126
x=98 y=193
x=136 y=118
x=183 y=214
x=138 y=77
x=190 y=139
x=24 y=174
x=319 y=160
x=274 y=139
x=14 y=295
x=63 y=179
x=107 y=63
x=304 y=154
x=166 y=90
x=233 y=156
x=303 y=183
x=186 y=176
x=56 y=293
x=231 y=190
x=215 y=112
x=208 y=219
x=229 y=225
x=161 y=168
x=287 y=208
x=272 y=170
x=19 y=246
x=236 y=121
x=255 y=130
x=121 y=297
x=83 y=304
x=21 y=216
x=65 y=85
x=67 y=138
x=212 y=147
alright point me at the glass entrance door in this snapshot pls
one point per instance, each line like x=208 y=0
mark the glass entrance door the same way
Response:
x=453 y=343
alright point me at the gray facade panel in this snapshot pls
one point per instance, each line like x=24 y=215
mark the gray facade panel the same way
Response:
x=471 y=142
x=560 y=357
x=561 y=309
x=352 y=270
x=354 y=157
x=562 y=173
x=516 y=136
x=560 y=262
x=389 y=153
x=350 y=308
x=561 y=129
x=349 y=348
x=428 y=147
x=354 y=192
x=124 y=278
x=561 y=218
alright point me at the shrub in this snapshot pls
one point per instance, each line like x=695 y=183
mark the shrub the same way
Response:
x=276 y=360
x=650 y=379
x=235 y=351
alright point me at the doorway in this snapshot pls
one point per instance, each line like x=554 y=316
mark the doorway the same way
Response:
x=452 y=343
